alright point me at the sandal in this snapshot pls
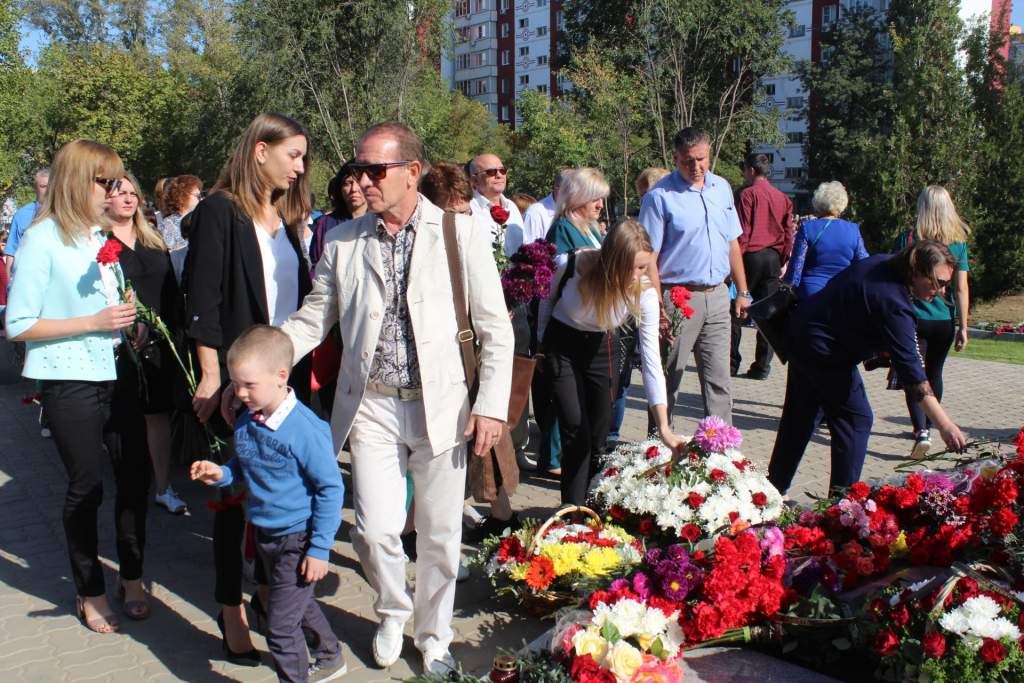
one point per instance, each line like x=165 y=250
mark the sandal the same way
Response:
x=137 y=610
x=101 y=624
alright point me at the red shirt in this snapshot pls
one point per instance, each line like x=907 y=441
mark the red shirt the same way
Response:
x=766 y=215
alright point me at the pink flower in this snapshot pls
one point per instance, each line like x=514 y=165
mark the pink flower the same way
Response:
x=713 y=435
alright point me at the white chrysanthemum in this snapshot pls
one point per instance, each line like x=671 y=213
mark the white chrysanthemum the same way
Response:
x=628 y=617
x=654 y=622
x=978 y=618
x=672 y=638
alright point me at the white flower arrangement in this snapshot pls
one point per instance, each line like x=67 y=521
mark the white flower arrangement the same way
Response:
x=978 y=618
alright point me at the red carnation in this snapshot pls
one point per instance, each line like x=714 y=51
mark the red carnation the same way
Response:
x=741 y=465
x=498 y=214
x=109 y=253
x=860 y=490
x=691 y=532
x=617 y=512
x=717 y=476
x=934 y=645
x=599 y=597
x=647 y=527
x=694 y=500
x=585 y=669
x=687 y=312
x=760 y=499
x=652 y=452
x=680 y=295
x=887 y=643
x=610 y=472
x=733 y=516
x=992 y=651
x=1002 y=522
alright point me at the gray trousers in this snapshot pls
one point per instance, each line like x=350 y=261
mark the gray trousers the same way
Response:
x=293 y=617
x=707 y=335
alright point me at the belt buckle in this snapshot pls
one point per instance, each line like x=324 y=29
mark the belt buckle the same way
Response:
x=465 y=336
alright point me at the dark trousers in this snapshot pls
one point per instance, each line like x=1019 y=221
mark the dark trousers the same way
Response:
x=762 y=269
x=840 y=394
x=293 y=616
x=78 y=412
x=581 y=365
x=627 y=347
x=934 y=337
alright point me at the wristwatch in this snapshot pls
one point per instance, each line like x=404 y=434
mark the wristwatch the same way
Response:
x=746 y=295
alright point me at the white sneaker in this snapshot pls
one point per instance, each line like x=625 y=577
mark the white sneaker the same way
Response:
x=170 y=500
x=438 y=664
x=922 y=443
x=387 y=642
x=46 y=433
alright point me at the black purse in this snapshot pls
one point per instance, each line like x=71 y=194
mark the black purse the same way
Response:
x=771 y=315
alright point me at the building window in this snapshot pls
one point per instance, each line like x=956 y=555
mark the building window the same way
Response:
x=463 y=87
x=481 y=86
x=504 y=112
x=794 y=102
x=794 y=172
x=769 y=89
x=462 y=61
x=542 y=31
x=504 y=6
x=794 y=138
x=542 y=60
x=524 y=51
x=504 y=30
x=524 y=79
x=797 y=31
x=524 y=23
x=461 y=8
x=542 y=89
x=480 y=58
x=829 y=15
x=480 y=31
x=505 y=58
x=542 y=3
x=480 y=5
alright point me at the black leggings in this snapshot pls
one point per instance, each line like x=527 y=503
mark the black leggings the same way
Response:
x=934 y=337
x=581 y=365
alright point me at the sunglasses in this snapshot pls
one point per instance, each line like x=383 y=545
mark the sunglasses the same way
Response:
x=111 y=185
x=375 y=172
x=942 y=283
x=492 y=172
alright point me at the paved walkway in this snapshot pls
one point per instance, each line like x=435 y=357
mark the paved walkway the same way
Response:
x=41 y=640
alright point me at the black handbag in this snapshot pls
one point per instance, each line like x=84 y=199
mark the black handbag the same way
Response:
x=771 y=315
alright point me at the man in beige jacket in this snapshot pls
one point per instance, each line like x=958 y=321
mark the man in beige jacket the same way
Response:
x=402 y=399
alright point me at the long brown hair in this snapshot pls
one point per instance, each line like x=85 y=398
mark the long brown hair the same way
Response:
x=607 y=283
x=68 y=199
x=242 y=181
x=145 y=233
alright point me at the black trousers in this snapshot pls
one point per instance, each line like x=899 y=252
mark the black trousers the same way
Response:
x=934 y=337
x=762 y=269
x=293 y=617
x=581 y=366
x=78 y=412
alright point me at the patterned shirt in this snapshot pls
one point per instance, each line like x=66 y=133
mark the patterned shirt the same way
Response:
x=395 y=363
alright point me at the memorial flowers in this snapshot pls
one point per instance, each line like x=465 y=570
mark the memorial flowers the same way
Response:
x=529 y=273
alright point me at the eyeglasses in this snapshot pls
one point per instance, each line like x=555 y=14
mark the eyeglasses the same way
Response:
x=375 y=172
x=111 y=185
x=942 y=283
x=492 y=172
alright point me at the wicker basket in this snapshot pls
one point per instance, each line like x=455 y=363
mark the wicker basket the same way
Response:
x=545 y=603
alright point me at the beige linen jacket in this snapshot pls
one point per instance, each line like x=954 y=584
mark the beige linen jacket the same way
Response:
x=348 y=288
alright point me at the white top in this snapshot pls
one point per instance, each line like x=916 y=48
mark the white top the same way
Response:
x=538 y=219
x=513 y=238
x=280 y=274
x=571 y=311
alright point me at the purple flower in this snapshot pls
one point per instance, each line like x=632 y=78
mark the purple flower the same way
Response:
x=713 y=435
x=653 y=557
x=618 y=584
x=642 y=585
x=678 y=553
x=774 y=542
x=675 y=586
x=936 y=481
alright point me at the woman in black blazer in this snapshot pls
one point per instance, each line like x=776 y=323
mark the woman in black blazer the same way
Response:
x=245 y=267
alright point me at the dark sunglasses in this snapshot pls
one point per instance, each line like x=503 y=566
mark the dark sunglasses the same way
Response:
x=942 y=283
x=111 y=185
x=492 y=172
x=374 y=171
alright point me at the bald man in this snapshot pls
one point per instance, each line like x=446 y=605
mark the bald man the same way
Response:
x=489 y=178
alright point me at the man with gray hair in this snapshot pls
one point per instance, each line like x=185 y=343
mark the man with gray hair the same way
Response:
x=24 y=216
x=539 y=216
x=691 y=219
x=490 y=178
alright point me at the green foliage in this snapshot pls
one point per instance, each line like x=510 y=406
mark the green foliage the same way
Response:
x=549 y=139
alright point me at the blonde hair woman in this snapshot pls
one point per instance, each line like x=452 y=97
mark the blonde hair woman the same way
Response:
x=580 y=201
x=598 y=290
x=942 y=321
x=648 y=178
x=69 y=318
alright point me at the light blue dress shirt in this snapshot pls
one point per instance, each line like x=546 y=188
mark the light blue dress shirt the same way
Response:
x=23 y=218
x=691 y=228
x=56 y=281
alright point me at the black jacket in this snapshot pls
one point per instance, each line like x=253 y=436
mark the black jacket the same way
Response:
x=223 y=280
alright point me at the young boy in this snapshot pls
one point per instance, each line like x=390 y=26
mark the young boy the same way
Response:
x=284 y=452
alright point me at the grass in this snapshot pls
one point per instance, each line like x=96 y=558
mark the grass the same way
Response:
x=993 y=350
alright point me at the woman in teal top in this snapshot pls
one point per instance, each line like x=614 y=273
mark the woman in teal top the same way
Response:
x=943 y=319
x=67 y=312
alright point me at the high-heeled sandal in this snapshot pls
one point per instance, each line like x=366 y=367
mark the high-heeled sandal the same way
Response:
x=133 y=609
x=102 y=624
x=250 y=658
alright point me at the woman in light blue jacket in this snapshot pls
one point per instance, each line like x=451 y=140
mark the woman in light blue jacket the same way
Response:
x=69 y=315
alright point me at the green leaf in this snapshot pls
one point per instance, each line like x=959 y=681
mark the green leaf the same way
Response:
x=609 y=632
x=658 y=650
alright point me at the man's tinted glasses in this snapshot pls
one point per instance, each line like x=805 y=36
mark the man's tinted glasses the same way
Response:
x=374 y=171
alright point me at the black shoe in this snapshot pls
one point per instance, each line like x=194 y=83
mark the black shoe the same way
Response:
x=409 y=545
x=734 y=372
x=250 y=658
x=327 y=670
x=491 y=526
x=757 y=373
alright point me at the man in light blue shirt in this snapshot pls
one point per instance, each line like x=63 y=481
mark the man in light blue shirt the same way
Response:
x=23 y=218
x=691 y=219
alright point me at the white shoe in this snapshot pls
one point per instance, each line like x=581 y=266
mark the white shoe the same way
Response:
x=170 y=500
x=463 y=574
x=46 y=433
x=387 y=642
x=922 y=443
x=440 y=664
x=470 y=517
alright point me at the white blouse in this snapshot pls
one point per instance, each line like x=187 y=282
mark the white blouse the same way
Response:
x=280 y=274
x=570 y=310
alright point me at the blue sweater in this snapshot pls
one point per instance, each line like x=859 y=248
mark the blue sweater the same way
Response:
x=292 y=475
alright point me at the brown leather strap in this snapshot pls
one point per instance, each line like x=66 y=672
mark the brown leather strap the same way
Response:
x=466 y=335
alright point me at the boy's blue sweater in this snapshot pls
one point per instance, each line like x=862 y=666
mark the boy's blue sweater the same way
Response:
x=292 y=475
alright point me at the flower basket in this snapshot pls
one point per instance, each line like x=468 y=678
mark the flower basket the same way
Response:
x=546 y=566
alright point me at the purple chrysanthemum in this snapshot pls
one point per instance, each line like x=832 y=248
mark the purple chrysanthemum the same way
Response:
x=713 y=435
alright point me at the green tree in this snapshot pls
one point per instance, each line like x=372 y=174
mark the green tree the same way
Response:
x=551 y=137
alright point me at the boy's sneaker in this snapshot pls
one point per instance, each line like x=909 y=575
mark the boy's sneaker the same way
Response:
x=170 y=500
x=440 y=664
x=328 y=670
x=922 y=442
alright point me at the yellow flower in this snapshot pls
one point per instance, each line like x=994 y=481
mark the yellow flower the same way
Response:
x=624 y=660
x=618 y=533
x=599 y=561
x=565 y=556
x=644 y=640
x=590 y=642
x=898 y=548
x=518 y=572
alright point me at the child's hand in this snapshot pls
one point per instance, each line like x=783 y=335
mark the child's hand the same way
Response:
x=313 y=569
x=206 y=472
